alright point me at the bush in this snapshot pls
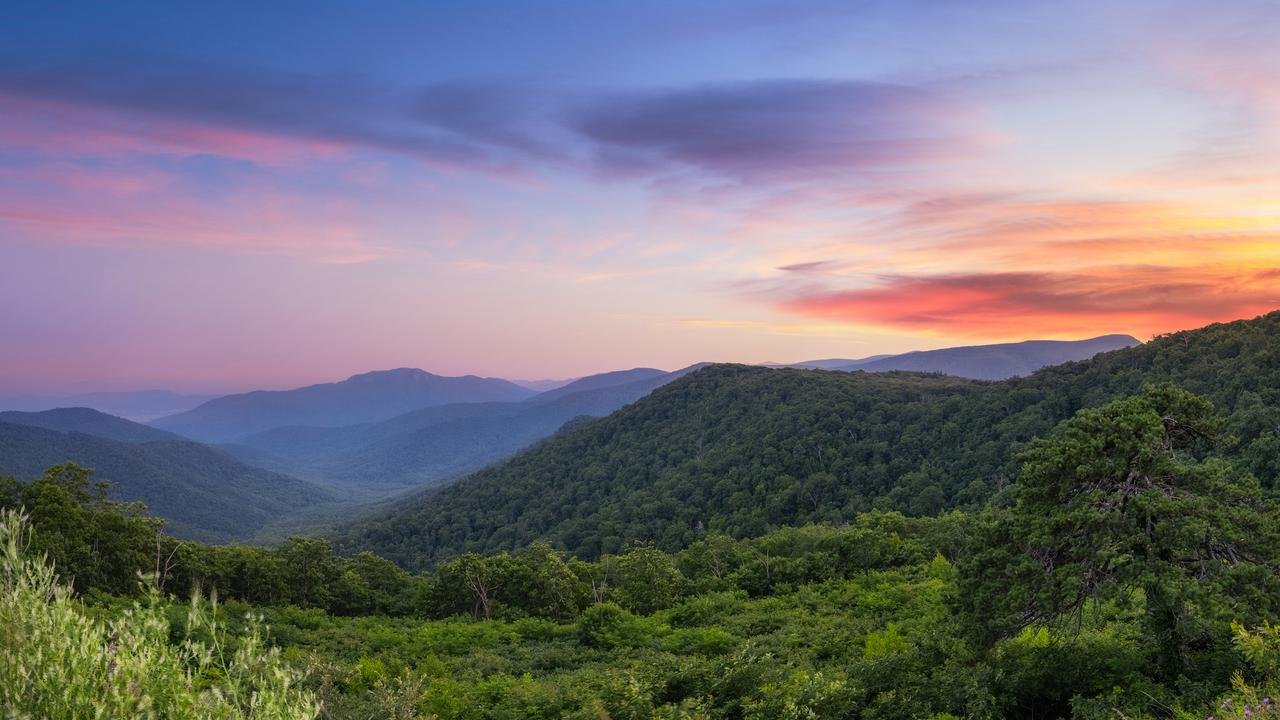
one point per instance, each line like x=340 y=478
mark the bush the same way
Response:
x=56 y=661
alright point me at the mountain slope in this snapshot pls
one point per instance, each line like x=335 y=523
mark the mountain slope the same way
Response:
x=369 y=397
x=599 y=382
x=139 y=406
x=437 y=443
x=993 y=362
x=204 y=493
x=746 y=449
x=89 y=422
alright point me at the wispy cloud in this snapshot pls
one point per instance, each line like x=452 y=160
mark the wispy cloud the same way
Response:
x=770 y=131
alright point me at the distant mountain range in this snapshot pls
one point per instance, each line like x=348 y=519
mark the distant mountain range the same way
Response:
x=980 y=362
x=204 y=493
x=139 y=406
x=369 y=397
x=436 y=443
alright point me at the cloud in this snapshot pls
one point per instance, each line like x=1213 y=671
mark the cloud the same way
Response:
x=815 y=266
x=1046 y=304
x=775 y=130
x=455 y=125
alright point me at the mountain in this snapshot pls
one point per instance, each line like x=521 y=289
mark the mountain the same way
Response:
x=747 y=449
x=369 y=397
x=203 y=493
x=543 y=385
x=140 y=406
x=993 y=362
x=89 y=422
x=437 y=443
x=597 y=382
x=833 y=363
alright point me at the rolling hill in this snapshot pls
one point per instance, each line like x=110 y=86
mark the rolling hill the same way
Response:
x=747 y=449
x=203 y=493
x=364 y=398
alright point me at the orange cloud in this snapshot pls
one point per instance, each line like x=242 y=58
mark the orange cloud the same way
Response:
x=1141 y=300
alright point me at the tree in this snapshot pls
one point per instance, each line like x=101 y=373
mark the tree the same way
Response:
x=389 y=587
x=1120 y=501
x=554 y=588
x=94 y=541
x=482 y=578
x=311 y=570
x=648 y=579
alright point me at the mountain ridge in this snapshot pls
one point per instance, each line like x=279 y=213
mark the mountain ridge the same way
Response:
x=436 y=443
x=365 y=397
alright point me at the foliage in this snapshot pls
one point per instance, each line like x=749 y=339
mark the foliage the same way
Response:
x=1117 y=503
x=57 y=661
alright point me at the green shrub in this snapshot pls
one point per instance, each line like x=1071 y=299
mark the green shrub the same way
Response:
x=699 y=641
x=59 y=662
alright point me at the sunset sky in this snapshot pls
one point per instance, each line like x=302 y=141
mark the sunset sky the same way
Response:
x=223 y=195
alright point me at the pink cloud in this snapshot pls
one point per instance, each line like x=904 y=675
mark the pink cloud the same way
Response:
x=1045 y=304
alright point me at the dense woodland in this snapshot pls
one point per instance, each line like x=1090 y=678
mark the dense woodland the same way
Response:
x=743 y=450
x=1121 y=563
x=204 y=493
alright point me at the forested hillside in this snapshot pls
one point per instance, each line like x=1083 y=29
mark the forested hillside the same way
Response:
x=743 y=450
x=202 y=492
x=1132 y=576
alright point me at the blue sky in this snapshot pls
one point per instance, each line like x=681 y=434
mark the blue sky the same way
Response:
x=231 y=195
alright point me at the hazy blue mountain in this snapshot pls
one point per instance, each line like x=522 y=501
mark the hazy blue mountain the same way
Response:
x=436 y=443
x=87 y=421
x=369 y=397
x=827 y=364
x=139 y=406
x=602 y=380
x=203 y=492
x=995 y=362
x=543 y=385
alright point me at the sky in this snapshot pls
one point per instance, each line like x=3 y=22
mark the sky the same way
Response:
x=225 y=196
